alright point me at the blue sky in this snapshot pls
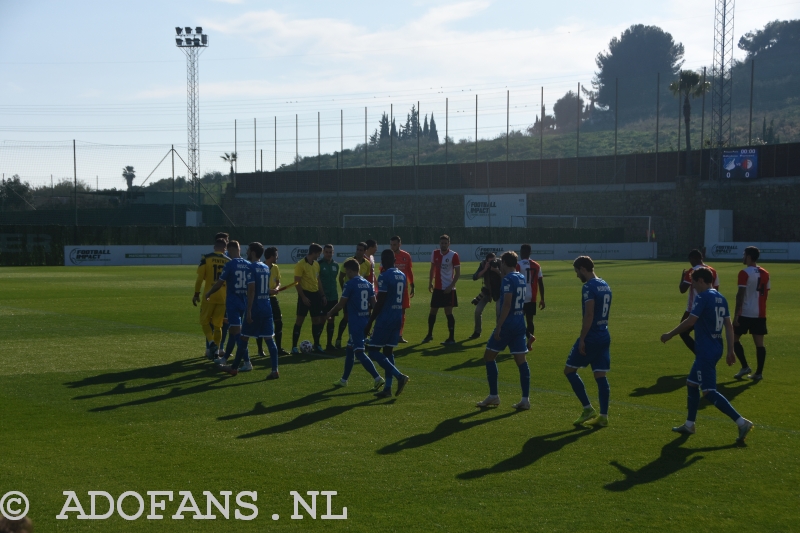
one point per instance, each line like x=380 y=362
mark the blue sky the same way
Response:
x=108 y=72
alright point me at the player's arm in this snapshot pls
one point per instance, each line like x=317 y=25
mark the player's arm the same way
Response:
x=251 y=296
x=322 y=290
x=376 y=310
x=277 y=288
x=684 y=286
x=683 y=327
x=483 y=266
x=456 y=275
x=300 y=293
x=540 y=281
x=739 y=303
x=430 y=277
x=410 y=277
x=504 y=311
x=214 y=288
x=588 y=318
x=198 y=282
x=731 y=358
x=341 y=278
x=338 y=307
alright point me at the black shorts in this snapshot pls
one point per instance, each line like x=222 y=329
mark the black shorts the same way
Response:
x=529 y=308
x=316 y=308
x=441 y=299
x=754 y=326
x=330 y=305
x=276 y=308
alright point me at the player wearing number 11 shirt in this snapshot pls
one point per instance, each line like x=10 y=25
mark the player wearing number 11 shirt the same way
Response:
x=592 y=347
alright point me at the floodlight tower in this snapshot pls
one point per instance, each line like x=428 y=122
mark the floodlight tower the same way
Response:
x=721 y=84
x=192 y=45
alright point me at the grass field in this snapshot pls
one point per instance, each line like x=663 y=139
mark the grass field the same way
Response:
x=103 y=387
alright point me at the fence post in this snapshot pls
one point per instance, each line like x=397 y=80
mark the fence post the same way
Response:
x=235 y=150
x=446 y=133
x=75 y=187
x=616 y=124
x=578 y=133
x=172 y=152
x=750 y=123
x=541 y=139
x=261 y=181
x=255 y=146
x=703 y=117
x=508 y=115
x=679 y=126
x=658 y=115
x=476 y=140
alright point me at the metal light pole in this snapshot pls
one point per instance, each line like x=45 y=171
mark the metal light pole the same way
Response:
x=192 y=45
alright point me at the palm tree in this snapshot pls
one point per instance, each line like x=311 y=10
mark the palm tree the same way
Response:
x=128 y=174
x=230 y=158
x=688 y=84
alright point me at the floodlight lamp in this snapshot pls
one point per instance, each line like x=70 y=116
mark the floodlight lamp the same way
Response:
x=196 y=41
x=178 y=30
x=188 y=30
x=204 y=39
x=198 y=30
x=178 y=41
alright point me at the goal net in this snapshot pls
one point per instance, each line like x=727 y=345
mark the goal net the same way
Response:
x=371 y=221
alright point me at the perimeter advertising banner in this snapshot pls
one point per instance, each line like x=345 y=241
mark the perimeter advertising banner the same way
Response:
x=494 y=210
x=778 y=251
x=190 y=255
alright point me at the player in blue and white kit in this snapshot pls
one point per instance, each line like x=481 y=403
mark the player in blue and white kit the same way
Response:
x=510 y=332
x=592 y=347
x=234 y=275
x=709 y=316
x=387 y=316
x=358 y=295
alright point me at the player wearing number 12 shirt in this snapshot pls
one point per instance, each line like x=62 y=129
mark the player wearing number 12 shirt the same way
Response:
x=592 y=347
x=709 y=316
x=510 y=332
x=212 y=311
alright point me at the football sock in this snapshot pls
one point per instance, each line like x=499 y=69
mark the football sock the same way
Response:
x=525 y=378
x=316 y=332
x=389 y=376
x=342 y=327
x=722 y=403
x=208 y=333
x=224 y=333
x=386 y=364
x=579 y=388
x=604 y=392
x=241 y=346
x=218 y=336
x=349 y=361
x=738 y=349
x=491 y=376
x=330 y=329
x=761 y=356
x=230 y=345
x=207 y=343
x=402 y=324
x=431 y=323
x=692 y=403
x=529 y=320
x=278 y=322
x=260 y=344
x=688 y=340
x=273 y=353
x=367 y=363
x=451 y=326
x=295 y=335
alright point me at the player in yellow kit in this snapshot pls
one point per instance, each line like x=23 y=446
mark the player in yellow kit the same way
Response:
x=212 y=311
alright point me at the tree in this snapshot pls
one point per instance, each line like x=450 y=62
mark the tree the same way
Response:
x=384 y=129
x=373 y=139
x=433 y=135
x=393 y=131
x=15 y=193
x=635 y=58
x=229 y=158
x=425 y=130
x=778 y=34
x=129 y=174
x=688 y=84
x=566 y=111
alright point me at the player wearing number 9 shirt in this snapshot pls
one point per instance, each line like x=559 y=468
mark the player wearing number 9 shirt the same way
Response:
x=510 y=332
x=592 y=347
x=709 y=316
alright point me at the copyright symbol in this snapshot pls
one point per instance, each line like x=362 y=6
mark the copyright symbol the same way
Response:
x=14 y=505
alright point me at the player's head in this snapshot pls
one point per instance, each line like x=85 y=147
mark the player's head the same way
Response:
x=584 y=267
x=219 y=245
x=702 y=279
x=361 y=249
x=751 y=255
x=222 y=235
x=271 y=254
x=314 y=250
x=695 y=257
x=234 y=250
x=394 y=243
x=444 y=243
x=327 y=252
x=254 y=251
x=525 y=251
x=372 y=246
x=387 y=258
x=508 y=262
x=351 y=267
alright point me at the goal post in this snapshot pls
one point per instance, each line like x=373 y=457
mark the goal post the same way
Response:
x=368 y=221
x=638 y=224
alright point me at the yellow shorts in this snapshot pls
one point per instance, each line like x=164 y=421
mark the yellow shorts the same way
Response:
x=211 y=313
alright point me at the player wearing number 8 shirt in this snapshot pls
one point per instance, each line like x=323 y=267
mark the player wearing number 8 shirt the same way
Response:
x=592 y=347
x=510 y=332
x=709 y=316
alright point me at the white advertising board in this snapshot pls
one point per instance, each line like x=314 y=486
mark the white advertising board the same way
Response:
x=778 y=251
x=495 y=210
x=287 y=254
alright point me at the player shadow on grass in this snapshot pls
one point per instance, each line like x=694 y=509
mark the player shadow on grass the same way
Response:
x=445 y=429
x=730 y=392
x=151 y=372
x=663 y=385
x=533 y=450
x=478 y=362
x=673 y=458
x=260 y=409
x=433 y=348
x=308 y=419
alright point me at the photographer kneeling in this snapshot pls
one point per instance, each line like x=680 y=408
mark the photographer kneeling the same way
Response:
x=489 y=270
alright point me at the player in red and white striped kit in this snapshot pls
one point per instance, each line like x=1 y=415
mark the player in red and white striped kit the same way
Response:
x=445 y=270
x=751 y=312
x=696 y=260
x=534 y=284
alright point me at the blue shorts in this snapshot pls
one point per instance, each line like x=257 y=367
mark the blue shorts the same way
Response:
x=357 y=338
x=704 y=374
x=516 y=342
x=597 y=355
x=262 y=326
x=385 y=336
x=235 y=308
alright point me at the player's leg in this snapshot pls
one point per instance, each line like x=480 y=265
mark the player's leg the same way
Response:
x=235 y=332
x=302 y=311
x=708 y=386
x=479 y=306
x=451 y=324
x=388 y=353
x=340 y=332
x=217 y=314
x=277 y=320
x=431 y=319
x=330 y=327
x=518 y=348
x=205 y=324
x=269 y=338
x=692 y=403
x=571 y=367
x=493 y=347
x=223 y=334
x=761 y=351
x=600 y=357
x=738 y=349
x=686 y=336
x=388 y=365
x=530 y=311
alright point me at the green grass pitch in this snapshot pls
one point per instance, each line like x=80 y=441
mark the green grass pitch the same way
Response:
x=103 y=387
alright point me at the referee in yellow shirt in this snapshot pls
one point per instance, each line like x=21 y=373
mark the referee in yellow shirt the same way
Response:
x=310 y=297
x=212 y=311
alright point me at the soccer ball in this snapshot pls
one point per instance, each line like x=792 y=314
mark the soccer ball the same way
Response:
x=306 y=346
